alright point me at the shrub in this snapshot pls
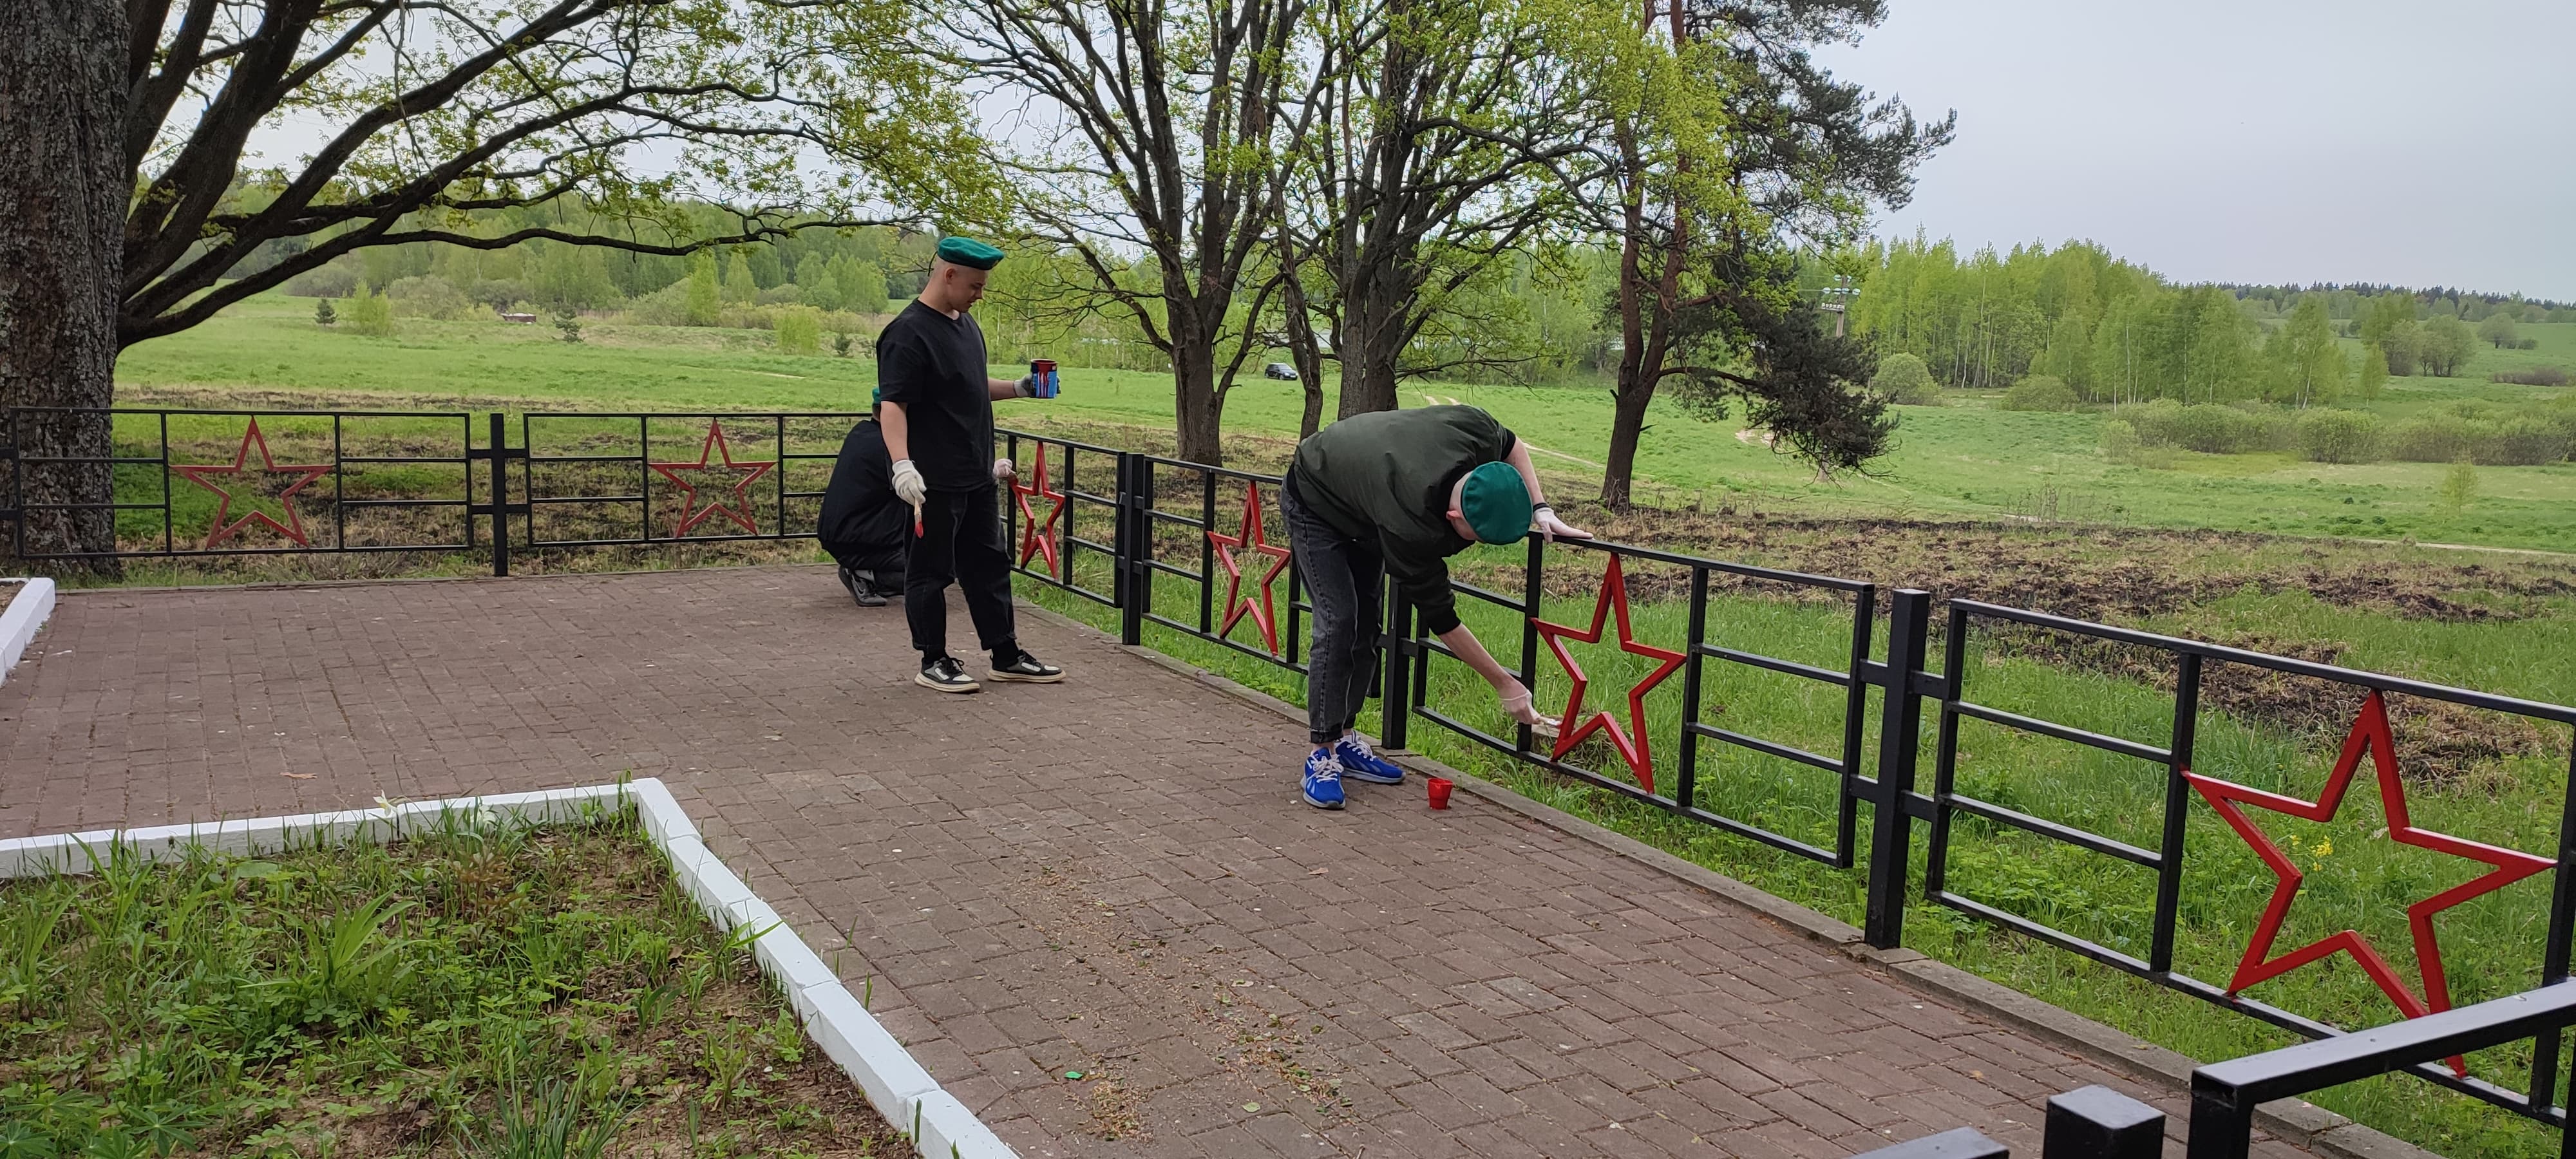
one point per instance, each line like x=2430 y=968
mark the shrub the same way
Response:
x=1905 y=379
x=800 y=329
x=2536 y=376
x=2338 y=436
x=2520 y=442
x=2460 y=486
x=2041 y=392
x=370 y=313
x=503 y=295
x=2431 y=438
x=331 y=281
x=431 y=296
x=2210 y=428
x=322 y=315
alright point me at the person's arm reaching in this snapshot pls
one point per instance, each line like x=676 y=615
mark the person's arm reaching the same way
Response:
x=1542 y=517
x=1515 y=696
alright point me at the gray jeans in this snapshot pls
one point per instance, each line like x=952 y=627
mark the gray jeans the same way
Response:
x=1345 y=580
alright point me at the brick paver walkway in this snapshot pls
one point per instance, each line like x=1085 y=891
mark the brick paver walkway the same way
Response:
x=1109 y=876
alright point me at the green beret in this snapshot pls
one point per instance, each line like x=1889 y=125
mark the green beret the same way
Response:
x=968 y=252
x=1496 y=503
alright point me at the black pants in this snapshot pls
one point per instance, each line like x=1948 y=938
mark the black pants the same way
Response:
x=1345 y=580
x=885 y=563
x=961 y=541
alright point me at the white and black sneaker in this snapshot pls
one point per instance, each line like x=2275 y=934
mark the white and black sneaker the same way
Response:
x=946 y=675
x=1027 y=669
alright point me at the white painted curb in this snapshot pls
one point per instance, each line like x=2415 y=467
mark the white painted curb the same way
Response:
x=941 y=1127
x=29 y=611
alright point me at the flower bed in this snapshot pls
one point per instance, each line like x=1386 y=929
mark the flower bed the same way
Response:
x=485 y=987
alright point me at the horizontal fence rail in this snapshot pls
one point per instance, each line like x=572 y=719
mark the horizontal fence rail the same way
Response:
x=1202 y=552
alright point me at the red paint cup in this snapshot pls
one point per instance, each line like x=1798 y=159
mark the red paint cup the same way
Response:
x=1043 y=371
x=1440 y=787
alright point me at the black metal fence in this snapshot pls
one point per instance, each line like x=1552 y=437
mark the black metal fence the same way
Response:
x=1201 y=551
x=210 y=483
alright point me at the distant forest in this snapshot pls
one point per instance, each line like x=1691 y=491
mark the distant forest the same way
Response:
x=2114 y=331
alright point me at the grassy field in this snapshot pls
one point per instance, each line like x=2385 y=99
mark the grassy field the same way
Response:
x=1960 y=461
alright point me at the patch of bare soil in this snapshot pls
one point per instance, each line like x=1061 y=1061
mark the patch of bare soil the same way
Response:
x=8 y=592
x=1228 y=1003
x=2100 y=573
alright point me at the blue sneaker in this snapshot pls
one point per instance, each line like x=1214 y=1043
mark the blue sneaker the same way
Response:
x=1323 y=787
x=1359 y=763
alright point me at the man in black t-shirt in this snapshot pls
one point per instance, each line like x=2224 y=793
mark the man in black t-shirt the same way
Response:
x=937 y=410
x=867 y=530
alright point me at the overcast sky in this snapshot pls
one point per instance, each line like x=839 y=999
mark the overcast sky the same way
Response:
x=2250 y=140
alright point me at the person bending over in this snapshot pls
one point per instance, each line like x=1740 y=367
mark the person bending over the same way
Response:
x=1398 y=492
x=937 y=410
x=866 y=529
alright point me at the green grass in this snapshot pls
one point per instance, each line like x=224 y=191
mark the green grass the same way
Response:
x=1961 y=461
x=463 y=994
x=2356 y=879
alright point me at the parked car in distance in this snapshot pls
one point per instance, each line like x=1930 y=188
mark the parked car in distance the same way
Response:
x=1281 y=371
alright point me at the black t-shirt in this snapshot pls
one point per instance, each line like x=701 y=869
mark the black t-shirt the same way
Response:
x=933 y=365
x=861 y=515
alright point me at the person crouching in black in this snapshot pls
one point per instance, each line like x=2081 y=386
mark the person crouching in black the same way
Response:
x=863 y=525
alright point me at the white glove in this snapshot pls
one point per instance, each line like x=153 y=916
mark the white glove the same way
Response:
x=907 y=483
x=1551 y=528
x=1026 y=387
x=1516 y=704
x=1002 y=470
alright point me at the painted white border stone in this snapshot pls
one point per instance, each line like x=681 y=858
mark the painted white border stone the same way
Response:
x=896 y=1084
x=27 y=612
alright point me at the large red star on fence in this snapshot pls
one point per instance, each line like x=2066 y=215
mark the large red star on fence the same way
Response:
x=732 y=503
x=1631 y=741
x=1237 y=605
x=225 y=528
x=1038 y=537
x=2370 y=732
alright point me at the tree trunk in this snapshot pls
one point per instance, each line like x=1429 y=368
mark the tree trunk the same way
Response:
x=1371 y=343
x=62 y=219
x=1627 y=426
x=1304 y=352
x=1197 y=407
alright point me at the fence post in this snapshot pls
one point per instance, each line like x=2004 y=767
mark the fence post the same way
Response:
x=1900 y=735
x=1135 y=546
x=1395 y=688
x=500 y=498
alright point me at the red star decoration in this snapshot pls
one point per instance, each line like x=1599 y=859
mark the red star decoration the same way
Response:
x=1038 y=537
x=736 y=509
x=222 y=530
x=1237 y=605
x=1631 y=741
x=2369 y=731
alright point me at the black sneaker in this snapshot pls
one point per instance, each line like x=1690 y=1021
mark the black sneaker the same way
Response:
x=946 y=675
x=862 y=585
x=1027 y=670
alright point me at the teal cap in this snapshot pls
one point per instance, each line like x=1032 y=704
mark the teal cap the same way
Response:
x=968 y=252
x=1496 y=504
